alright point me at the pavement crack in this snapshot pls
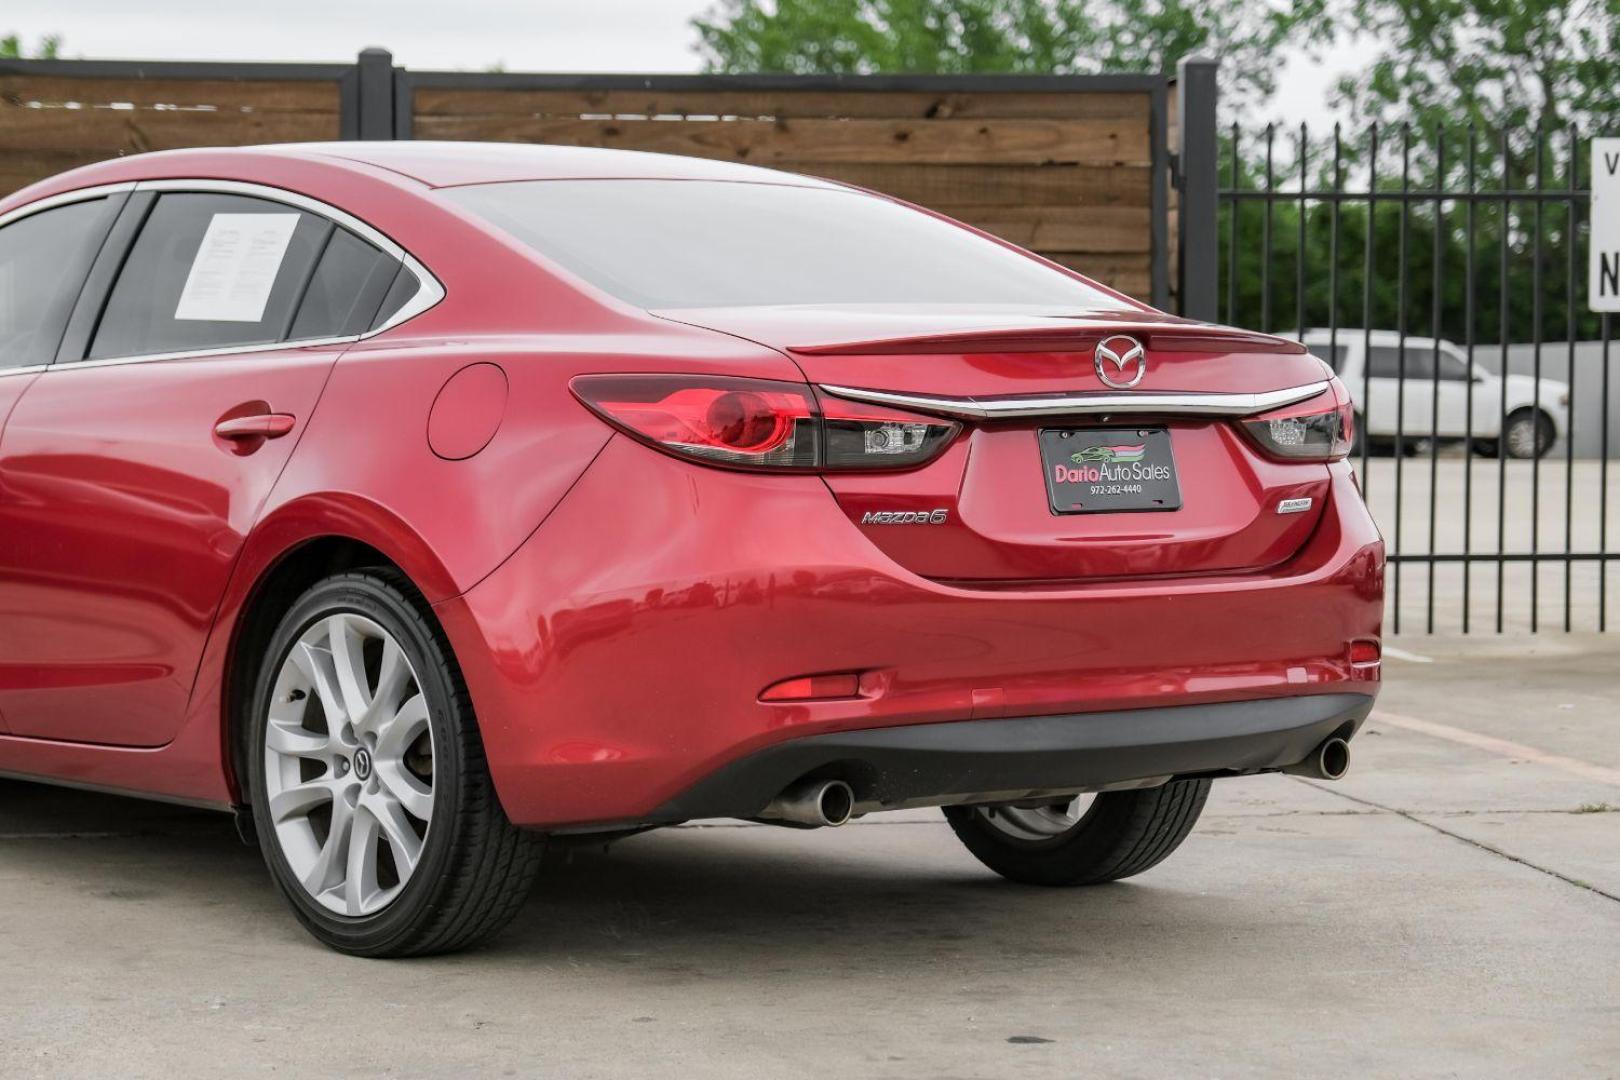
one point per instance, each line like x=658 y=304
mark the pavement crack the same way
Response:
x=1470 y=841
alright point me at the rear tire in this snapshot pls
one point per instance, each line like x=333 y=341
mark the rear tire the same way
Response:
x=1122 y=833
x=424 y=860
x=1528 y=433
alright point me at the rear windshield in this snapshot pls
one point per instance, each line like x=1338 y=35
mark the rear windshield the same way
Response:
x=698 y=243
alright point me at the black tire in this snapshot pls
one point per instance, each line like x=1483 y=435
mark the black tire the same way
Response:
x=1124 y=833
x=476 y=869
x=1524 y=425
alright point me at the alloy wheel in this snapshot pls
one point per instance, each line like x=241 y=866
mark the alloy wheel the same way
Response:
x=349 y=764
x=1526 y=438
x=1036 y=823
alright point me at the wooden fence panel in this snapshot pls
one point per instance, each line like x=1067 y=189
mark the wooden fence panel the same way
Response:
x=1076 y=169
x=433 y=100
x=52 y=122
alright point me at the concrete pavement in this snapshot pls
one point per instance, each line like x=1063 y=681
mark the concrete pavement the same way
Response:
x=1452 y=908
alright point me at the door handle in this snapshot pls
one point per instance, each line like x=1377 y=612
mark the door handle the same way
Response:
x=259 y=426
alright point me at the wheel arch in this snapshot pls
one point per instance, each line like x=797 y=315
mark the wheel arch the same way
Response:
x=292 y=549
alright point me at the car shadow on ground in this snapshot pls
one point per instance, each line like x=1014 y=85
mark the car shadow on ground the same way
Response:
x=902 y=897
x=743 y=899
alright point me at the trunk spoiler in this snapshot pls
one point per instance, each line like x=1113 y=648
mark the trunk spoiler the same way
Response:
x=1192 y=337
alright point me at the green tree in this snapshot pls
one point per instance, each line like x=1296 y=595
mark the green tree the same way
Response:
x=1501 y=65
x=12 y=48
x=1021 y=36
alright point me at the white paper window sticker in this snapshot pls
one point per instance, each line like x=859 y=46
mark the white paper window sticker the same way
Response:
x=236 y=267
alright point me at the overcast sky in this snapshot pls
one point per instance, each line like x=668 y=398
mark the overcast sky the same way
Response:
x=520 y=35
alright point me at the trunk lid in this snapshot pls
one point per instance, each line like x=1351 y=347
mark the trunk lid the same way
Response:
x=1000 y=525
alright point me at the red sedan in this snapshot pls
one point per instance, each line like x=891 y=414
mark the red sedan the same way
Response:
x=425 y=503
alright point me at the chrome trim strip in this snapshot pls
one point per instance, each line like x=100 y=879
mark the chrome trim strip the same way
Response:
x=204 y=354
x=1087 y=404
x=291 y=198
x=63 y=198
x=31 y=369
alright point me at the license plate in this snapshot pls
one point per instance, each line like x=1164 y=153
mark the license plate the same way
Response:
x=1104 y=470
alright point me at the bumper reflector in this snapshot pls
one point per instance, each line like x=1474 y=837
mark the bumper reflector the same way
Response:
x=1365 y=651
x=814 y=687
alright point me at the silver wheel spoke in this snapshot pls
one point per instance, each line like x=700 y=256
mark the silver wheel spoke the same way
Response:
x=353 y=834
x=390 y=817
x=328 y=869
x=316 y=667
x=289 y=739
x=405 y=789
x=360 y=875
x=394 y=739
x=299 y=800
x=392 y=677
x=349 y=662
x=395 y=734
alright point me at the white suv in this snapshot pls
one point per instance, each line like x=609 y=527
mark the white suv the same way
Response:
x=1528 y=423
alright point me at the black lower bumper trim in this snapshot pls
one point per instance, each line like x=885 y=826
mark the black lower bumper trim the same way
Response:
x=920 y=763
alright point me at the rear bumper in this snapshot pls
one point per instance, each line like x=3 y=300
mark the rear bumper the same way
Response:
x=616 y=660
x=1004 y=760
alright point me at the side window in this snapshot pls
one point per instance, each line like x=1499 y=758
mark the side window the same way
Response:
x=347 y=290
x=43 y=260
x=1453 y=368
x=1384 y=362
x=210 y=271
x=405 y=286
x=1333 y=355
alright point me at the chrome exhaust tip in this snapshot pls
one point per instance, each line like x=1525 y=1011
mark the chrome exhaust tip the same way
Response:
x=1330 y=761
x=813 y=803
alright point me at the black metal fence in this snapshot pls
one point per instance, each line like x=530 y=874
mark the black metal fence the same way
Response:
x=1443 y=275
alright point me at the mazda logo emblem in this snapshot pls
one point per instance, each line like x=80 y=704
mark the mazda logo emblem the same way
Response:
x=1120 y=361
x=362 y=763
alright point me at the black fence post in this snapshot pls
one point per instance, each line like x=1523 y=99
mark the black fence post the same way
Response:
x=404 y=105
x=349 y=104
x=1197 y=154
x=374 y=95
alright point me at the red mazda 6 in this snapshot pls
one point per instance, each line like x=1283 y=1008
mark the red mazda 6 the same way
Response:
x=423 y=503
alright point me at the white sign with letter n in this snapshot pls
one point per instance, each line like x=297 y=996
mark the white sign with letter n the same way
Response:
x=1603 y=280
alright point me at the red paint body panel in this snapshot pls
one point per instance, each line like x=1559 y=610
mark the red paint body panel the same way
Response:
x=667 y=615
x=1000 y=527
x=468 y=411
x=616 y=611
x=121 y=516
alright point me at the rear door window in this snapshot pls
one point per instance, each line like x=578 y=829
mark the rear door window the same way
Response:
x=210 y=271
x=43 y=261
x=1453 y=368
x=1385 y=362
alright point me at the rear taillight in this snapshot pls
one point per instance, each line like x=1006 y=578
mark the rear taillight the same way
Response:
x=1314 y=430
x=761 y=424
